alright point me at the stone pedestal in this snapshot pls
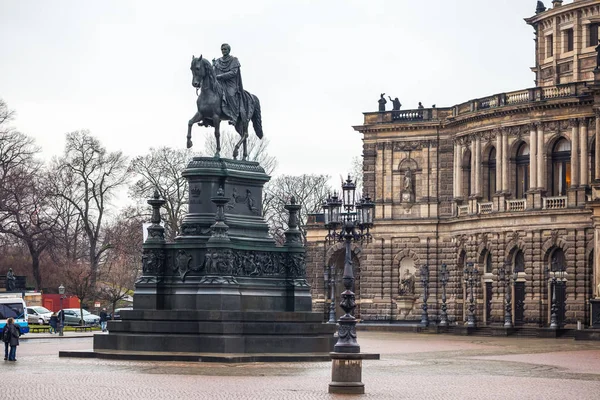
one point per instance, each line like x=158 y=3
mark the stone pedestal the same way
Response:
x=346 y=372
x=223 y=286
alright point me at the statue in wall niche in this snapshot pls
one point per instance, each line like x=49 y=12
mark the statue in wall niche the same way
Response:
x=407 y=185
x=407 y=284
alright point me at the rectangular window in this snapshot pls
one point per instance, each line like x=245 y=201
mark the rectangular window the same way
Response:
x=593 y=37
x=549 y=46
x=568 y=40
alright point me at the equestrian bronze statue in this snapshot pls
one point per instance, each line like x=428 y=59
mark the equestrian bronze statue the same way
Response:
x=223 y=98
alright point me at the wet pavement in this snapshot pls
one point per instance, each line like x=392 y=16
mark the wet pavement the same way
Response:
x=412 y=366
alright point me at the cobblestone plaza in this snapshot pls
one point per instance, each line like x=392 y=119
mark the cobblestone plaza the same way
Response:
x=412 y=366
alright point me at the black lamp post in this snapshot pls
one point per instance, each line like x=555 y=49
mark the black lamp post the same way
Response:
x=330 y=287
x=503 y=276
x=444 y=280
x=557 y=276
x=424 y=272
x=347 y=227
x=61 y=292
x=471 y=273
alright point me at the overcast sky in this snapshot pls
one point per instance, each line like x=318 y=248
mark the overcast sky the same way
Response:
x=121 y=68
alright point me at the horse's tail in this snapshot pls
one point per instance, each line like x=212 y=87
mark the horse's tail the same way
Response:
x=256 y=118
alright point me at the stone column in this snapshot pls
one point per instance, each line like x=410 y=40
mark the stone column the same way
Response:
x=499 y=161
x=541 y=170
x=574 y=152
x=584 y=174
x=478 y=166
x=597 y=148
x=473 y=167
x=456 y=185
x=595 y=206
x=532 y=192
x=459 y=172
x=533 y=156
x=505 y=161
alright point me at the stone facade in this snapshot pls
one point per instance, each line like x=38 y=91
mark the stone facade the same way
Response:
x=508 y=180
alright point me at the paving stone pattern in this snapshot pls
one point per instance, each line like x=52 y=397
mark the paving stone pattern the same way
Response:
x=412 y=366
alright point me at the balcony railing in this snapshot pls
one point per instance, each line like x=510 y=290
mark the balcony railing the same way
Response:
x=485 y=208
x=463 y=210
x=516 y=205
x=523 y=96
x=554 y=203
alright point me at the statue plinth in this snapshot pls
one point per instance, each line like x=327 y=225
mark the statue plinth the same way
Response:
x=223 y=285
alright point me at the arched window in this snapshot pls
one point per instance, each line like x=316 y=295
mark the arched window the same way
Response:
x=522 y=177
x=561 y=167
x=466 y=174
x=488 y=263
x=491 y=174
x=519 y=262
x=557 y=260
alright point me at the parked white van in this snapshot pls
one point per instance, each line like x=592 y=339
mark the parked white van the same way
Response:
x=12 y=305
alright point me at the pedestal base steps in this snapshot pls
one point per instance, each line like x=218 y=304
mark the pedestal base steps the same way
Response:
x=251 y=332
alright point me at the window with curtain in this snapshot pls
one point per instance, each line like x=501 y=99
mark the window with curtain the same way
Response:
x=488 y=263
x=519 y=263
x=491 y=174
x=466 y=174
x=561 y=167
x=522 y=173
x=558 y=261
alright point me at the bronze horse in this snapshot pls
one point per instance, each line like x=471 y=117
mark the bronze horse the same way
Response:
x=210 y=112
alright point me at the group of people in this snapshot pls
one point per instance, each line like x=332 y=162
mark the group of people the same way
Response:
x=10 y=337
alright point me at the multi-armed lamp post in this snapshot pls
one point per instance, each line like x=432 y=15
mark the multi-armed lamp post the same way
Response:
x=351 y=225
x=504 y=275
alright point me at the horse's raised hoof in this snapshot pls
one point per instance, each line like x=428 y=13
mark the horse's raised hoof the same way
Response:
x=235 y=154
x=189 y=143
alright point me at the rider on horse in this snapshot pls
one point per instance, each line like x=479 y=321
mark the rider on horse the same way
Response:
x=227 y=69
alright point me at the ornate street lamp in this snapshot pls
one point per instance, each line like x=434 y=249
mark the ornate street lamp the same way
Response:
x=348 y=227
x=424 y=272
x=330 y=286
x=557 y=276
x=471 y=274
x=444 y=280
x=61 y=292
x=503 y=276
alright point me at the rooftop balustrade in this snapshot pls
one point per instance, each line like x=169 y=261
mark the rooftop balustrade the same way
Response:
x=496 y=101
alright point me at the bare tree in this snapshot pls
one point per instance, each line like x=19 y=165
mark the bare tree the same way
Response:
x=310 y=191
x=86 y=177
x=24 y=212
x=79 y=281
x=162 y=170
x=257 y=148
x=122 y=265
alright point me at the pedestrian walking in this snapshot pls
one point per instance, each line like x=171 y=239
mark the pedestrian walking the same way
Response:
x=6 y=340
x=14 y=333
x=53 y=323
x=103 y=319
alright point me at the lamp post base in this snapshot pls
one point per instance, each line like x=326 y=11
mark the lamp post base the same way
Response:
x=346 y=372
